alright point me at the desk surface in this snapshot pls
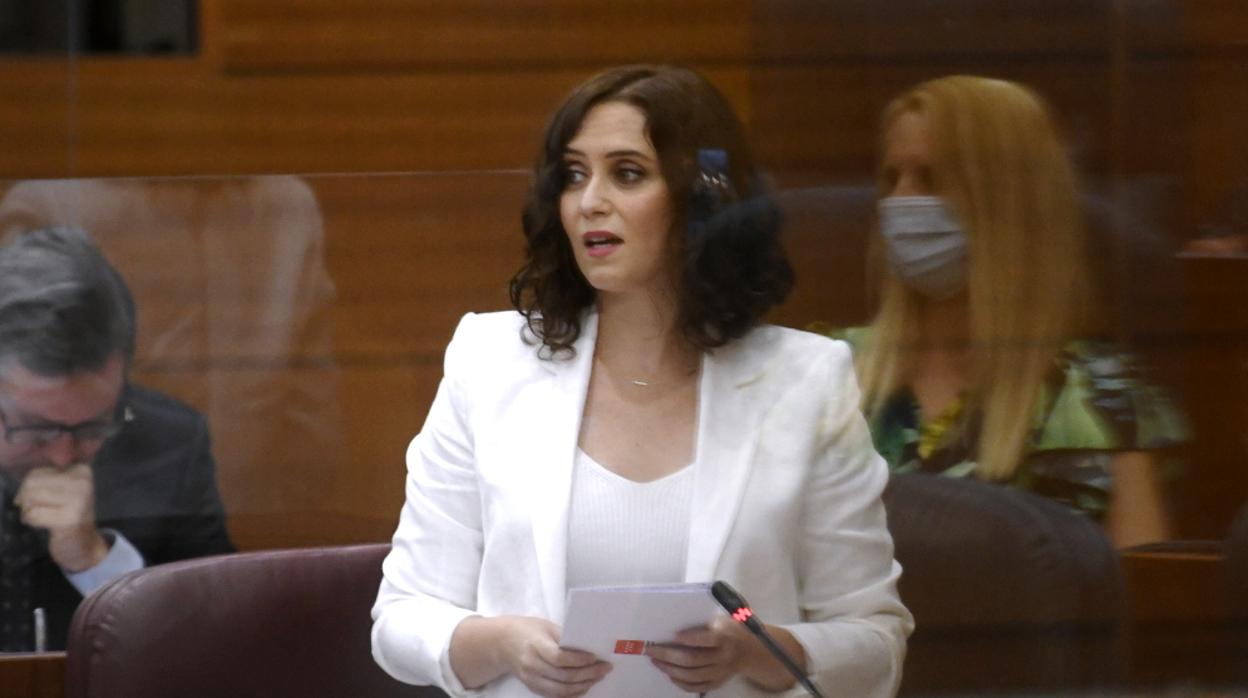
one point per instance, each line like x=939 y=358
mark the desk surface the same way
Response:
x=32 y=675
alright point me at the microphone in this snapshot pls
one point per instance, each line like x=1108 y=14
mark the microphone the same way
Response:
x=741 y=612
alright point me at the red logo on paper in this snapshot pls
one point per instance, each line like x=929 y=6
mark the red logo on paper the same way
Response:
x=630 y=646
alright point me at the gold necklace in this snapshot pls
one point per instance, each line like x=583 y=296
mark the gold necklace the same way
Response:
x=642 y=382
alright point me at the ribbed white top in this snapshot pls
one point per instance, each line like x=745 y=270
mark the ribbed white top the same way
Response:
x=625 y=532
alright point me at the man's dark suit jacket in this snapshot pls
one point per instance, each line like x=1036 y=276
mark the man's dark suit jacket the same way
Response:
x=155 y=484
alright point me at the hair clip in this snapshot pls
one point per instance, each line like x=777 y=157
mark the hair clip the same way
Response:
x=713 y=160
x=712 y=187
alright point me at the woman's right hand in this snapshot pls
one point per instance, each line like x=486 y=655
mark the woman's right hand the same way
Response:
x=532 y=651
x=483 y=649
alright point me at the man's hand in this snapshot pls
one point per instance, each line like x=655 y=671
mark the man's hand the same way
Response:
x=63 y=502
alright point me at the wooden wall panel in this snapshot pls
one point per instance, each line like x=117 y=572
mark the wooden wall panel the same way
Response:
x=1215 y=26
x=411 y=254
x=35 y=118
x=813 y=73
x=818 y=30
x=282 y=35
x=172 y=117
x=384 y=407
x=1214 y=355
x=825 y=234
x=1211 y=169
x=1219 y=143
x=820 y=122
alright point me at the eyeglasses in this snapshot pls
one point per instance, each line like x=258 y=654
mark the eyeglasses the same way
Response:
x=36 y=435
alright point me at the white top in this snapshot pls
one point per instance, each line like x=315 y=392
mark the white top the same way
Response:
x=609 y=544
x=786 y=504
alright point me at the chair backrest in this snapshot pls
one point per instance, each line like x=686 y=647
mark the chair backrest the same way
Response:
x=1010 y=591
x=274 y=623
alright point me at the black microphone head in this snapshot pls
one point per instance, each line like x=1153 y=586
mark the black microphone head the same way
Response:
x=741 y=612
x=728 y=597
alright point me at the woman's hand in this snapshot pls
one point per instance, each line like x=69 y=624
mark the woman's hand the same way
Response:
x=703 y=659
x=484 y=649
x=532 y=651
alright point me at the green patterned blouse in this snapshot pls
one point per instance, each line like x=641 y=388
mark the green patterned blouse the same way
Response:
x=1094 y=402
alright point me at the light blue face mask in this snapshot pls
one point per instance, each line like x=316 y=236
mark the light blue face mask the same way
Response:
x=926 y=246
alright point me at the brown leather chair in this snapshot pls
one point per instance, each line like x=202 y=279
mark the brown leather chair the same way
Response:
x=1010 y=592
x=274 y=623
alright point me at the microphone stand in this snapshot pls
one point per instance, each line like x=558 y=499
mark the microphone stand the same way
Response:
x=741 y=612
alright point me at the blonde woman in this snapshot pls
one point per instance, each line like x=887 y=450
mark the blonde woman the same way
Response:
x=979 y=363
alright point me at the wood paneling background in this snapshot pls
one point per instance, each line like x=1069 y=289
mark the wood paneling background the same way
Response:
x=465 y=35
x=429 y=113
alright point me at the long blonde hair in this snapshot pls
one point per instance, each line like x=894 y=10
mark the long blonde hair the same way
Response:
x=999 y=164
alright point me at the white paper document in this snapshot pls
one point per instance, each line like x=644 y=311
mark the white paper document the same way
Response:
x=616 y=623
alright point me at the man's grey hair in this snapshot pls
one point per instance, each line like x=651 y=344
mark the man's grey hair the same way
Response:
x=63 y=308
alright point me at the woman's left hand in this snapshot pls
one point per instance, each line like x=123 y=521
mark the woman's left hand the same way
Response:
x=702 y=659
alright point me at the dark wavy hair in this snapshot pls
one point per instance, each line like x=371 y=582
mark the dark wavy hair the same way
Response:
x=733 y=269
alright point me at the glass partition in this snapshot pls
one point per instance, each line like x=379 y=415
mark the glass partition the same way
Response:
x=305 y=317
x=305 y=200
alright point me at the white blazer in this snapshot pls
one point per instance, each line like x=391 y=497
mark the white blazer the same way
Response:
x=786 y=507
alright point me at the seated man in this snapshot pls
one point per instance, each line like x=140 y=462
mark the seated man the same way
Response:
x=97 y=477
x=230 y=276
